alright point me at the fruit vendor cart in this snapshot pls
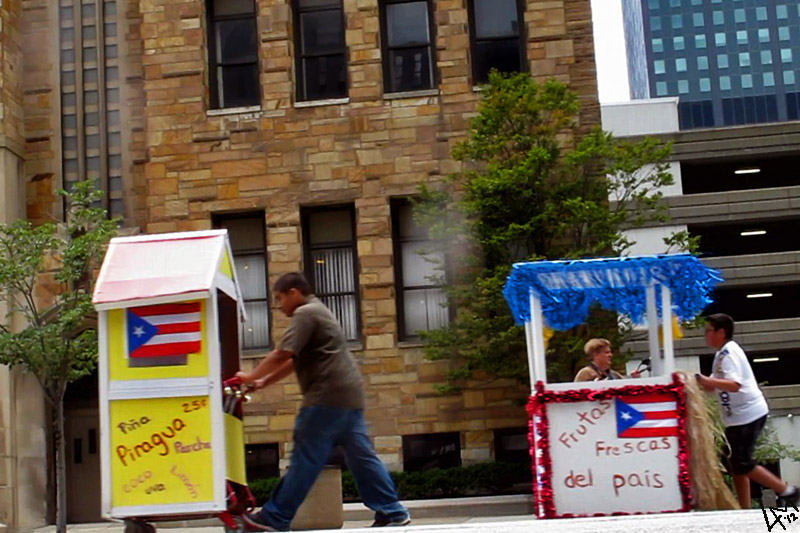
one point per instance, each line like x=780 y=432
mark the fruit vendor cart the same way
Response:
x=614 y=446
x=171 y=432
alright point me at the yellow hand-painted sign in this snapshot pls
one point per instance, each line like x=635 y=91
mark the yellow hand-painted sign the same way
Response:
x=161 y=451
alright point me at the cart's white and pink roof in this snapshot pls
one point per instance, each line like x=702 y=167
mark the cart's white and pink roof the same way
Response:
x=164 y=268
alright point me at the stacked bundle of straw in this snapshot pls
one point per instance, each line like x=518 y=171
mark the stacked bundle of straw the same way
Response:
x=709 y=490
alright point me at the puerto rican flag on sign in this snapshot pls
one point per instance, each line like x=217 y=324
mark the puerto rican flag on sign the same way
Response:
x=647 y=415
x=163 y=330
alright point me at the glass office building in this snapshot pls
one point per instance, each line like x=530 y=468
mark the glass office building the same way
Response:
x=730 y=62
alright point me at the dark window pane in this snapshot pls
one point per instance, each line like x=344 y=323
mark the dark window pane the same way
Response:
x=239 y=86
x=792 y=105
x=236 y=41
x=772 y=108
x=410 y=69
x=310 y=4
x=325 y=77
x=434 y=450
x=262 y=461
x=501 y=54
x=407 y=24
x=233 y=7
x=322 y=32
x=496 y=18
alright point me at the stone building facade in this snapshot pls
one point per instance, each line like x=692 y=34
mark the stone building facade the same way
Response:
x=155 y=100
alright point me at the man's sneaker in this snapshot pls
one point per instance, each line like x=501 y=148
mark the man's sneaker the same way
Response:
x=387 y=521
x=253 y=522
x=790 y=500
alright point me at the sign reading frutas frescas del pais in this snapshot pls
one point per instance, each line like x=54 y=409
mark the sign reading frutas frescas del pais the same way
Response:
x=161 y=451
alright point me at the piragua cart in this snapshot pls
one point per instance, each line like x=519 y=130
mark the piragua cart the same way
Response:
x=171 y=433
x=619 y=446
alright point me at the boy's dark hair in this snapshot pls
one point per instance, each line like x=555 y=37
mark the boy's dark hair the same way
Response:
x=292 y=280
x=721 y=321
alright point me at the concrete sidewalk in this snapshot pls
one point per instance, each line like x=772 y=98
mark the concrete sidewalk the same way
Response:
x=750 y=521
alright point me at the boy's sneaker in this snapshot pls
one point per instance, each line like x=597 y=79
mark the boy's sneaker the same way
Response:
x=790 y=500
x=387 y=521
x=253 y=522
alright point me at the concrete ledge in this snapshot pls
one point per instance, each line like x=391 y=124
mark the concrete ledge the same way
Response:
x=515 y=505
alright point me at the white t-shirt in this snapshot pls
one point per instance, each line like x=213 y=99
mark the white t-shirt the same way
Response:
x=747 y=405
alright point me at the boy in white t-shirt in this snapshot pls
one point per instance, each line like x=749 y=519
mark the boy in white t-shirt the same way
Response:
x=744 y=412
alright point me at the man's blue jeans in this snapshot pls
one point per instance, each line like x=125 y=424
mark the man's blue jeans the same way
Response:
x=317 y=430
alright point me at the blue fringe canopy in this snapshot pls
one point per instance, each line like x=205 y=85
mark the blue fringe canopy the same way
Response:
x=568 y=288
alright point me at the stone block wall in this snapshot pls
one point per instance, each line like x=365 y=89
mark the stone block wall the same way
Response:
x=284 y=156
x=186 y=163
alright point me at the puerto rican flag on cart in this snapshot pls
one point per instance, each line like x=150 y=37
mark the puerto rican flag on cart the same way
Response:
x=646 y=415
x=164 y=330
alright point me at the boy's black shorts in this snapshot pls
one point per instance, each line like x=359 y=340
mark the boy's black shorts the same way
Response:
x=742 y=441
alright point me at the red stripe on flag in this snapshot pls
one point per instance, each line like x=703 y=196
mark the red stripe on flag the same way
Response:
x=162 y=350
x=650 y=432
x=178 y=327
x=166 y=309
x=648 y=398
x=660 y=415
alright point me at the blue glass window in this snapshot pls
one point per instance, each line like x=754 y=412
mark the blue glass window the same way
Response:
x=719 y=18
x=744 y=59
x=769 y=79
x=658 y=45
x=725 y=83
x=741 y=36
x=781 y=12
x=697 y=20
x=705 y=85
x=653 y=4
x=658 y=66
x=699 y=41
x=766 y=57
x=674 y=3
x=783 y=33
x=680 y=64
x=661 y=88
x=786 y=55
x=655 y=23
x=763 y=35
x=683 y=86
x=678 y=43
x=702 y=63
x=677 y=21
x=788 y=77
x=739 y=16
x=719 y=39
x=761 y=13
x=722 y=60
x=747 y=81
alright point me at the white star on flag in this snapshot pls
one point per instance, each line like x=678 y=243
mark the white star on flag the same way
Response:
x=139 y=331
x=625 y=415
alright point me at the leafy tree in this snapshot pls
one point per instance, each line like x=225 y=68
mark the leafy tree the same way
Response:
x=534 y=185
x=57 y=343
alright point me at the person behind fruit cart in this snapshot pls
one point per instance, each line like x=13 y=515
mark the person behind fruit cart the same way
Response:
x=599 y=368
x=744 y=412
x=332 y=413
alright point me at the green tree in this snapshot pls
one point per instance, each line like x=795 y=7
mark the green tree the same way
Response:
x=57 y=342
x=534 y=185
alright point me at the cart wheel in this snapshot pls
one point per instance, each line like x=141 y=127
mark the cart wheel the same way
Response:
x=239 y=528
x=137 y=526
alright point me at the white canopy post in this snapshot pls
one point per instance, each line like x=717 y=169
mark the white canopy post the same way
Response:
x=652 y=330
x=666 y=320
x=534 y=333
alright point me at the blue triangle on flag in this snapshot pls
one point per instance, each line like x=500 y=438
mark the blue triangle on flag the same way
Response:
x=139 y=331
x=627 y=416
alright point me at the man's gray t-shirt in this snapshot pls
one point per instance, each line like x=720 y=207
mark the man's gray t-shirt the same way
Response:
x=325 y=368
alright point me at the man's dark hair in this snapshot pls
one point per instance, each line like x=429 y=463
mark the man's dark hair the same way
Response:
x=721 y=321
x=292 y=280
